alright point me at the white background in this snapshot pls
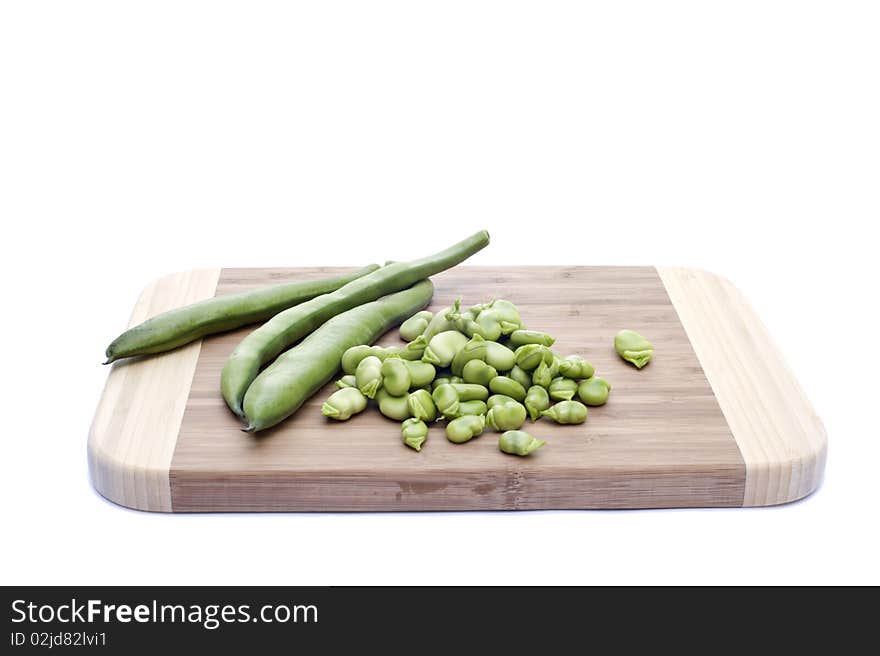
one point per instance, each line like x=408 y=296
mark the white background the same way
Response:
x=742 y=137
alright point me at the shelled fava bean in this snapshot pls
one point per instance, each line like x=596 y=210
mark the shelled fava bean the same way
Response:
x=477 y=368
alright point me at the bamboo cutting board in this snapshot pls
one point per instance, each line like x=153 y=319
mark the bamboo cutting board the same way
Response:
x=716 y=419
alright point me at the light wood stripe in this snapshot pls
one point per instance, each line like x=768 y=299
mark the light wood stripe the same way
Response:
x=782 y=441
x=135 y=429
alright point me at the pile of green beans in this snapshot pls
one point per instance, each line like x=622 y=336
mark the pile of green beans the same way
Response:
x=480 y=370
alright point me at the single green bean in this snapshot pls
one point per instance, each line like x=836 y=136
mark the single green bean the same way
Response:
x=415 y=325
x=575 y=367
x=507 y=416
x=521 y=376
x=529 y=356
x=472 y=407
x=393 y=407
x=470 y=391
x=567 y=412
x=443 y=347
x=461 y=429
x=369 y=376
x=594 y=391
x=285 y=328
x=474 y=349
x=421 y=405
x=395 y=376
x=633 y=348
x=497 y=399
x=521 y=337
x=216 y=315
x=537 y=400
x=446 y=399
x=420 y=373
x=347 y=381
x=477 y=371
x=344 y=403
x=508 y=387
x=562 y=389
x=541 y=375
x=499 y=356
x=519 y=443
x=414 y=432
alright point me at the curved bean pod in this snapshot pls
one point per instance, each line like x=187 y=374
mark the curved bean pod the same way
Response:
x=216 y=315
x=285 y=328
x=285 y=385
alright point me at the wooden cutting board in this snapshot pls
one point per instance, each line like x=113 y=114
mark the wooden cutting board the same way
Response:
x=716 y=419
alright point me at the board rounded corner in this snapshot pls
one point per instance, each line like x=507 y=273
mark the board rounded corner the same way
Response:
x=782 y=441
x=807 y=461
x=114 y=479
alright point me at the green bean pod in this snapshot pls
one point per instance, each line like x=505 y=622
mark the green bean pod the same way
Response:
x=216 y=315
x=288 y=382
x=285 y=328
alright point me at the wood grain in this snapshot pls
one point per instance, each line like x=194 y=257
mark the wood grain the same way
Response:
x=782 y=441
x=135 y=428
x=661 y=441
x=715 y=420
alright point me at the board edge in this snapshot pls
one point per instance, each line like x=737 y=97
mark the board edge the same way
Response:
x=124 y=467
x=780 y=437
